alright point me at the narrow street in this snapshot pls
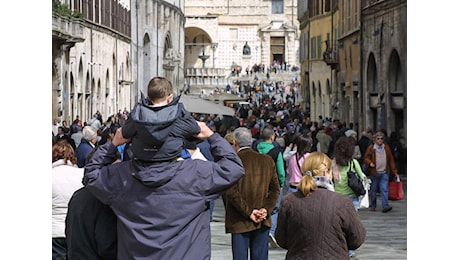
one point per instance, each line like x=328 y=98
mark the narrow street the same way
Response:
x=386 y=233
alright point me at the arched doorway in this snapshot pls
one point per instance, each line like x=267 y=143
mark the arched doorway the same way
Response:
x=372 y=90
x=199 y=54
x=396 y=85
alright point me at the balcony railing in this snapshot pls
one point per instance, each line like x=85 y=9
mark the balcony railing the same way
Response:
x=206 y=72
x=67 y=28
x=331 y=58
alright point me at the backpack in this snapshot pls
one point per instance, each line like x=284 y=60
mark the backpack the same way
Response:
x=274 y=153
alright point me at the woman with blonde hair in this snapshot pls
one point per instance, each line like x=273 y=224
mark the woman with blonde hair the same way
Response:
x=315 y=222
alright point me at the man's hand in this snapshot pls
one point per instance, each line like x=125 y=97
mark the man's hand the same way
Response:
x=118 y=138
x=205 y=133
x=258 y=215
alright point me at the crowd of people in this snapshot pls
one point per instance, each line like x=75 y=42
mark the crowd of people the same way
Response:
x=270 y=163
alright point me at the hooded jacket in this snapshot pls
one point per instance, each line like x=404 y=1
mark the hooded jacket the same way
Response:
x=163 y=208
x=264 y=148
x=157 y=132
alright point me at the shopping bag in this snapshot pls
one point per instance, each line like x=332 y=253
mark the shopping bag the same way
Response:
x=395 y=189
x=364 y=199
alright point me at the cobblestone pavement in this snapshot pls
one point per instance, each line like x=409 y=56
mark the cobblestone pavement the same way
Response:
x=386 y=233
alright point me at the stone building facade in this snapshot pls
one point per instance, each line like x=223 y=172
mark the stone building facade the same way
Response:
x=349 y=106
x=384 y=64
x=352 y=53
x=91 y=58
x=106 y=51
x=353 y=62
x=157 y=43
x=217 y=30
x=319 y=22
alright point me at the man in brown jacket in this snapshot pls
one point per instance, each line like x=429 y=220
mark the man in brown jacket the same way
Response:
x=380 y=161
x=250 y=202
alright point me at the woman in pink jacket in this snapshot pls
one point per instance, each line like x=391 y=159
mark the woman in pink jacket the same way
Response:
x=303 y=144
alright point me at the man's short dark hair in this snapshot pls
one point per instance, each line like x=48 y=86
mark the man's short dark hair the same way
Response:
x=267 y=133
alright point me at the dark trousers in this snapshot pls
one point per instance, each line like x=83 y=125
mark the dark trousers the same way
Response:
x=59 y=248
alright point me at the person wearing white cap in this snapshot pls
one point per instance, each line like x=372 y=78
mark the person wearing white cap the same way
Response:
x=357 y=153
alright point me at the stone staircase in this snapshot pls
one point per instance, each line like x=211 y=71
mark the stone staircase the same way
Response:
x=285 y=77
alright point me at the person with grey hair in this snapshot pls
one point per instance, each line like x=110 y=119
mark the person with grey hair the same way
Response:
x=87 y=144
x=244 y=136
x=95 y=122
x=77 y=135
x=250 y=202
x=379 y=159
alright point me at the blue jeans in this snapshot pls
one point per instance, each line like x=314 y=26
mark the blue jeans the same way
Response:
x=275 y=212
x=379 y=182
x=291 y=189
x=211 y=207
x=256 y=241
x=355 y=200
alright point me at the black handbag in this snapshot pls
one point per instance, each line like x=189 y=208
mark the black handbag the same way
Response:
x=354 y=181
